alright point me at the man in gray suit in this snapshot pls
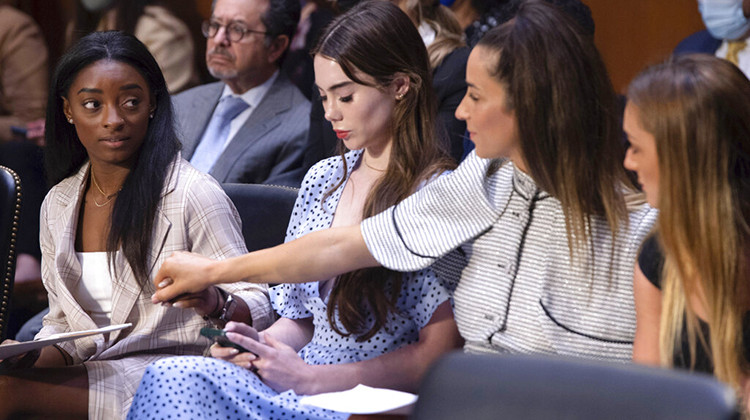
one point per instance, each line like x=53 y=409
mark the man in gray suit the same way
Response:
x=252 y=126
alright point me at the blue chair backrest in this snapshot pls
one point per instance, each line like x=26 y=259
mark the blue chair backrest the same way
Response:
x=264 y=210
x=479 y=387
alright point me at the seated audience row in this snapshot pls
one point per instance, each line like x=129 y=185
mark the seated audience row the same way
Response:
x=693 y=108
x=531 y=241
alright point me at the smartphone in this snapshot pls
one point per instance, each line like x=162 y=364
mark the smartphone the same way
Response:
x=220 y=336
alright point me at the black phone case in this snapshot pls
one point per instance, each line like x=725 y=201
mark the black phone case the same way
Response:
x=220 y=336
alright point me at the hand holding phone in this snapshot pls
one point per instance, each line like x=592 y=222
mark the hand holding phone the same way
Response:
x=220 y=337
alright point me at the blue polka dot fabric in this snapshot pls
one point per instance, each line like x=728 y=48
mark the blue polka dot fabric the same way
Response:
x=421 y=292
x=192 y=387
x=197 y=387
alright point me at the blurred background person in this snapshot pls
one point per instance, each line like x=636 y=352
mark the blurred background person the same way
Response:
x=23 y=96
x=444 y=39
x=250 y=127
x=727 y=33
x=170 y=29
x=23 y=73
x=315 y=15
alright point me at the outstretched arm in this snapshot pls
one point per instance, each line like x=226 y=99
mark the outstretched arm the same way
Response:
x=316 y=256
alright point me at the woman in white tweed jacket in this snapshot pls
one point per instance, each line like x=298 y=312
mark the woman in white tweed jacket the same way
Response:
x=538 y=223
x=124 y=201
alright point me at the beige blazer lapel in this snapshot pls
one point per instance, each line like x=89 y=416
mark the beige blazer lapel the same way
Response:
x=67 y=265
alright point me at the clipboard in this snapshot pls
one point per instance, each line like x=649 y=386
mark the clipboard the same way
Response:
x=10 y=350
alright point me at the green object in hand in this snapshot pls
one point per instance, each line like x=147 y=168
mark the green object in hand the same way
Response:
x=220 y=337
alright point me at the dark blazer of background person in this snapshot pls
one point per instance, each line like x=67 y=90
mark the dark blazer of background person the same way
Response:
x=699 y=42
x=449 y=82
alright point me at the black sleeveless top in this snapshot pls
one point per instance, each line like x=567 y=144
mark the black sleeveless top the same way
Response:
x=651 y=261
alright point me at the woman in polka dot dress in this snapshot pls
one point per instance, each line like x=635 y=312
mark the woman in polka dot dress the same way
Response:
x=371 y=326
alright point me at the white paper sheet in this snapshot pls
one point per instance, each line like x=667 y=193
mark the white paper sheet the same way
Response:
x=9 y=350
x=364 y=400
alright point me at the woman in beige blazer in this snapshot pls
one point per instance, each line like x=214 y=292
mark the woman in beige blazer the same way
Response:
x=124 y=201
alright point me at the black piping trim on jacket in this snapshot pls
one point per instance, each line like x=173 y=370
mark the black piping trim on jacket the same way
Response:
x=593 y=337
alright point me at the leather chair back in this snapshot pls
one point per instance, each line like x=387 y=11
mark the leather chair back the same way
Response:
x=479 y=387
x=264 y=210
x=10 y=210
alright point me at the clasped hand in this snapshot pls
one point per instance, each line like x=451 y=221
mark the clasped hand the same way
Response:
x=182 y=274
x=276 y=363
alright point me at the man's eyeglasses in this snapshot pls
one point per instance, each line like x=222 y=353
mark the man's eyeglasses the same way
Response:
x=235 y=31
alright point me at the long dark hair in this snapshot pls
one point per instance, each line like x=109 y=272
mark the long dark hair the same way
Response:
x=134 y=210
x=565 y=105
x=379 y=40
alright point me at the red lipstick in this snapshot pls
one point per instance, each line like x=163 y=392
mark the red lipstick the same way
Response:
x=342 y=134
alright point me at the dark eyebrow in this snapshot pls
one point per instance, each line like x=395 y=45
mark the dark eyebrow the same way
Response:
x=221 y=22
x=131 y=86
x=340 y=85
x=89 y=90
x=337 y=85
x=126 y=87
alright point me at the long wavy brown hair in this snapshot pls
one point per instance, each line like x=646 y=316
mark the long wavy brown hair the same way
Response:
x=377 y=39
x=565 y=105
x=696 y=107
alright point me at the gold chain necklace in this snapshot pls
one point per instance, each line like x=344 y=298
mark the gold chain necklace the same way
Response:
x=109 y=197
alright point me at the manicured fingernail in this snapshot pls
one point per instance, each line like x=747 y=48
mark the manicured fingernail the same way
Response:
x=233 y=351
x=164 y=283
